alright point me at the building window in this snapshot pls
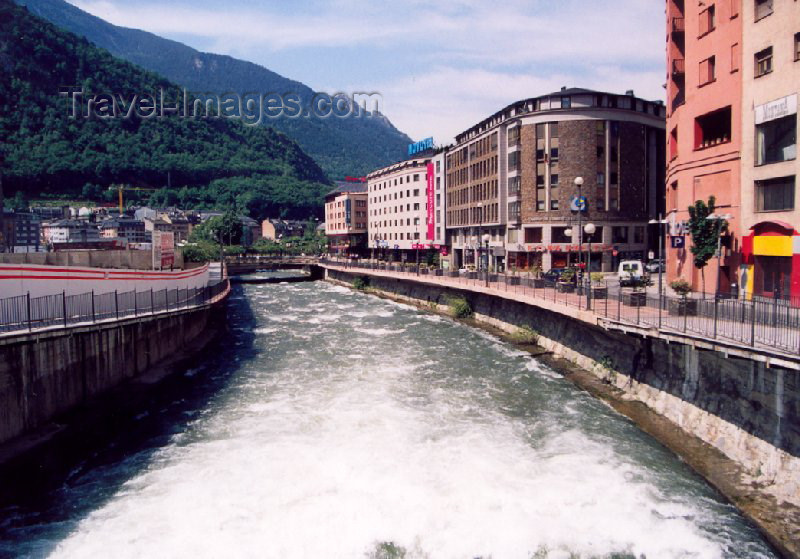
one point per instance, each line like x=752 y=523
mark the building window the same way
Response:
x=601 y=179
x=596 y=237
x=566 y=103
x=559 y=235
x=796 y=47
x=712 y=128
x=553 y=180
x=533 y=235
x=775 y=194
x=638 y=235
x=673 y=143
x=539 y=181
x=707 y=20
x=513 y=211
x=553 y=130
x=619 y=234
x=416 y=192
x=539 y=205
x=554 y=154
x=513 y=161
x=554 y=204
x=763 y=60
x=763 y=8
x=708 y=70
x=776 y=140
x=540 y=154
x=513 y=186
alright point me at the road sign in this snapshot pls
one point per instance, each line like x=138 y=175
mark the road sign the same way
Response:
x=578 y=204
x=678 y=241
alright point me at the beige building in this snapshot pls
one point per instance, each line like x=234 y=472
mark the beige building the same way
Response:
x=398 y=209
x=346 y=219
x=770 y=168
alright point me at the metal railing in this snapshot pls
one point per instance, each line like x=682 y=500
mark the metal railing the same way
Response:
x=26 y=313
x=758 y=322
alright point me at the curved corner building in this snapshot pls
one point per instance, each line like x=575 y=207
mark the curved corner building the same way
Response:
x=510 y=190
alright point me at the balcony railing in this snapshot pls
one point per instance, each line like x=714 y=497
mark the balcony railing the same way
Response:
x=678 y=25
x=678 y=67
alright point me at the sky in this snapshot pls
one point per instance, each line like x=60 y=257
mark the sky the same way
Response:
x=440 y=66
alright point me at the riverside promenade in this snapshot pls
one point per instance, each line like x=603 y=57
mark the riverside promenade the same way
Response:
x=764 y=331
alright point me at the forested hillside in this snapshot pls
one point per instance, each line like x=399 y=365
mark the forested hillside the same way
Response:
x=354 y=145
x=211 y=162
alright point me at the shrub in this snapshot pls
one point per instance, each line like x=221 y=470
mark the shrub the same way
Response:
x=360 y=282
x=681 y=287
x=459 y=307
x=597 y=277
x=525 y=335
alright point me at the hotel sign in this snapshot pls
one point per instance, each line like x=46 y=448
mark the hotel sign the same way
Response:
x=431 y=215
x=422 y=145
x=779 y=108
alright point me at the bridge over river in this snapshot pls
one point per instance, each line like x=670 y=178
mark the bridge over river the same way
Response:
x=330 y=423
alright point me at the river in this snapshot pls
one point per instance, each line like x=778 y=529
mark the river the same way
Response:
x=330 y=423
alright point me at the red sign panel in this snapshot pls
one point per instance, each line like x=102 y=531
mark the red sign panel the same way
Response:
x=431 y=214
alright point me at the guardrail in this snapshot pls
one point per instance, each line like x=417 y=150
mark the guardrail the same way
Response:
x=26 y=313
x=764 y=323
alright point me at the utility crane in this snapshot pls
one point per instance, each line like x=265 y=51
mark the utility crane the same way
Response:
x=121 y=187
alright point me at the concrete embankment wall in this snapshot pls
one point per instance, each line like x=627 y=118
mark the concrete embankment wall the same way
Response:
x=16 y=280
x=125 y=259
x=747 y=410
x=45 y=374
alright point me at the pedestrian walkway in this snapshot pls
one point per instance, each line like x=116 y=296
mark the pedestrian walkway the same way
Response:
x=759 y=325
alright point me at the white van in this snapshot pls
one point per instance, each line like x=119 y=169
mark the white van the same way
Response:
x=630 y=271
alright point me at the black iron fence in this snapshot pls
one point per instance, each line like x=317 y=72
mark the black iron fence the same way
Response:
x=30 y=313
x=757 y=322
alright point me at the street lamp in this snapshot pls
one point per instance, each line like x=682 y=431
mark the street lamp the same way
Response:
x=416 y=245
x=568 y=233
x=480 y=227
x=579 y=204
x=589 y=229
x=486 y=238
x=722 y=221
x=661 y=261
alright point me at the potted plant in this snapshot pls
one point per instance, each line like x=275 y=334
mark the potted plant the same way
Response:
x=636 y=297
x=566 y=282
x=513 y=279
x=684 y=305
x=599 y=289
x=471 y=272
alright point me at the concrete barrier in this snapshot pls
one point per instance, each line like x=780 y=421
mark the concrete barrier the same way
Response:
x=16 y=280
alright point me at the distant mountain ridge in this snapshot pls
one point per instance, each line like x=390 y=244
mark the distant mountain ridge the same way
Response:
x=209 y=163
x=341 y=146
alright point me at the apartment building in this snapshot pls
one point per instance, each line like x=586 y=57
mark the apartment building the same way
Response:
x=346 y=219
x=400 y=223
x=770 y=168
x=704 y=127
x=512 y=196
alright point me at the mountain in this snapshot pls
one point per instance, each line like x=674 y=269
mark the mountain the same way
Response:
x=211 y=162
x=354 y=145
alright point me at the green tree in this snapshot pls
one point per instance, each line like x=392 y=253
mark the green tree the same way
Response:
x=705 y=233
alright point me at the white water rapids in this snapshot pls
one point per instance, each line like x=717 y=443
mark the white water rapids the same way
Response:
x=353 y=427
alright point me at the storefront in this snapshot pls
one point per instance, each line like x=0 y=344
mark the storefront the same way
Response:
x=771 y=261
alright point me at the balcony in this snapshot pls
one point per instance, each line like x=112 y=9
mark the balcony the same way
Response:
x=678 y=100
x=678 y=67
x=678 y=25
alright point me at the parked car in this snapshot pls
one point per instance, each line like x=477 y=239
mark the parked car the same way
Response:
x=553 y=274
x=630 y=272
x=655 y=266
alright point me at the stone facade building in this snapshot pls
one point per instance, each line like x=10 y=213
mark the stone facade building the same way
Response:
x=512 y=199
